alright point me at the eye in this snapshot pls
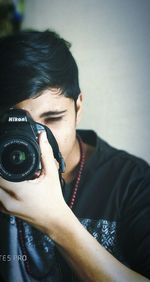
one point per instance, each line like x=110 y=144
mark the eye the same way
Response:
x=52 y=119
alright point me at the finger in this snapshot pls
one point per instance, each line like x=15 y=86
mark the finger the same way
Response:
x=6 y=201
x=9 y=186
x=48 y=161
x=2 y=209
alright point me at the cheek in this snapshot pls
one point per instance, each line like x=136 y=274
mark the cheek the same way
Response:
x=66 y=140
x=65 y=136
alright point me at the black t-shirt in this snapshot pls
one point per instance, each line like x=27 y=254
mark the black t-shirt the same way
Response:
x=113 y=204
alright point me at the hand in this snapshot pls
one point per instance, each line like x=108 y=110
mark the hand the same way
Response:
x=40 y=201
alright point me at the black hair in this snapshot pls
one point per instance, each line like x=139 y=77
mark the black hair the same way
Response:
x=33 y=61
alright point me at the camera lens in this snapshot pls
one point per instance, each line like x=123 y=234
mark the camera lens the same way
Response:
x=17 y=157
x=20 y=159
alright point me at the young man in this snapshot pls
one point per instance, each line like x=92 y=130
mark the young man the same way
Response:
x=94 y=227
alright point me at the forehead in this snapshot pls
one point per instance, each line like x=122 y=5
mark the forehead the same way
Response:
x=49 y=100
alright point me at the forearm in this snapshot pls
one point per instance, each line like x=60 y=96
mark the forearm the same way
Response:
x=86 y=256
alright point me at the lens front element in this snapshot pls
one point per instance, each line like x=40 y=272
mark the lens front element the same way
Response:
x=20 y=158
x=17 y=157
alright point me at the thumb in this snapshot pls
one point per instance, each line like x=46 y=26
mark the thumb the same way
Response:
x=47 y=156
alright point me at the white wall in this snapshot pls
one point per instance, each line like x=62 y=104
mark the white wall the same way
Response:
x=111 y=43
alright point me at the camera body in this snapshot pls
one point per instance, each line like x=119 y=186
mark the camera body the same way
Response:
x=20 y=156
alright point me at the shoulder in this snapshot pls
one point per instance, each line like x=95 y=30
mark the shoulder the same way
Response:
x=122 y=174
x=105 y=154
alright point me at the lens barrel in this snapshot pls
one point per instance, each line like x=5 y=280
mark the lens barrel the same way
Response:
x=19 y=157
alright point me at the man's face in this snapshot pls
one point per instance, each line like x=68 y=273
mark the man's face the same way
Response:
x=59 y=114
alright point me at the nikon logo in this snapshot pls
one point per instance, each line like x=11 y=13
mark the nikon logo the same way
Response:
x=16 y=119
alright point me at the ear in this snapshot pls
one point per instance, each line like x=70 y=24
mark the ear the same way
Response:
x=79 y=104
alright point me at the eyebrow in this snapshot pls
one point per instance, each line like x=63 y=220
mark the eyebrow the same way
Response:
x=52 y=113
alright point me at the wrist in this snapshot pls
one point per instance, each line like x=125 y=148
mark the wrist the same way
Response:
x=63 y=227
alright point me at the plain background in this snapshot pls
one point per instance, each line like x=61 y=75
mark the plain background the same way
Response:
x=111 y=44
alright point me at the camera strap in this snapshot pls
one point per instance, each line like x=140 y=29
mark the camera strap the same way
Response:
x=56 y=151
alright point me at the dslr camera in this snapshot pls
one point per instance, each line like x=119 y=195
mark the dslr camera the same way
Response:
x=20 y=156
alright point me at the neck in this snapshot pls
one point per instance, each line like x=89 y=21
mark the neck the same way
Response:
x=74 y=160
